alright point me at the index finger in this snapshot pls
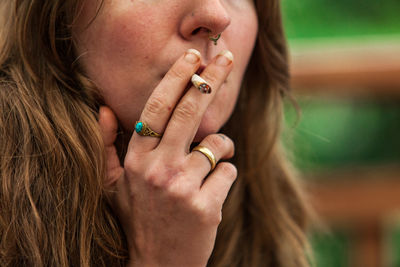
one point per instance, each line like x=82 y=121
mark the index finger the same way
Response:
x=164 y=98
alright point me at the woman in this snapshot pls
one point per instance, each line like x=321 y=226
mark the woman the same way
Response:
x=76 y=191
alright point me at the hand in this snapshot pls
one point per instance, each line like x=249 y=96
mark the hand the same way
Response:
x=168 y=209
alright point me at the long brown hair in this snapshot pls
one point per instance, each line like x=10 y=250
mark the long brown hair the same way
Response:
x=52 y=206
x=265 y=216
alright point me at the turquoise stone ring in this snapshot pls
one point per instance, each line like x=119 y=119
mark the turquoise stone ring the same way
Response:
x=141 y=128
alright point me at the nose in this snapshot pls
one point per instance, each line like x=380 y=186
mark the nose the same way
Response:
x=206 y=18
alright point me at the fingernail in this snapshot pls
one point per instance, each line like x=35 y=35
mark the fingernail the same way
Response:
x=192 y=56
x=224 y=58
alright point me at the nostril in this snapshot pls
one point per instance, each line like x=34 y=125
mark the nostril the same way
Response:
x=196 y=31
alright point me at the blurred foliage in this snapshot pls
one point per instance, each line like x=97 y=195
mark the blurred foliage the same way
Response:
x=336 y=133
x=343 y=132
x=330 y=249
x=333 y=18
x=395 y=246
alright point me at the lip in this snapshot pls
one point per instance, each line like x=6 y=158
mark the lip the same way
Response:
x=198 y=72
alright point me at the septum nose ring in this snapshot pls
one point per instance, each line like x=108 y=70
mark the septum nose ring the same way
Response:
x=214 y=38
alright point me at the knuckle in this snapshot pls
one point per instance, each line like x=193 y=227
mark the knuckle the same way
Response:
x=162 y=175
x=216 y=218
x=208 y=215
x=230 y=147
x=155 y=106
x=212 y=217
x=179 y=192
x=153 y=179
x=227 y=140
x=228 y=169
x=210 y=77
x=186 y=110
x=132 y=164
x=175 y=73
x=151 y=175
x=216 y=142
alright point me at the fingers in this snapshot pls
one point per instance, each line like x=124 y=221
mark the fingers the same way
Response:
x=187 y=116
x=164 y=98
x=219 y=145
x=108 y=125
x=216 y=187
x=108 y=128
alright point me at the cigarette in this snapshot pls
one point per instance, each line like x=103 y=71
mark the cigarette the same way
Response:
x=201 y=84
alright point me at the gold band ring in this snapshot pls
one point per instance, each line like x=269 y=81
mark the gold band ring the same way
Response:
x=144 y=130
x=207 y=152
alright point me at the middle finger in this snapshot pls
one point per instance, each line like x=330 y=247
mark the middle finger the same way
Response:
x=164 y=98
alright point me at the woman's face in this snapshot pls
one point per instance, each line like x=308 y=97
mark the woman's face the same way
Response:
x=131 y=44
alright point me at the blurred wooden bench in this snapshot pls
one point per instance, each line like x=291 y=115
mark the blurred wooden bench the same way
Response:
x=362 y=200
x=345 y=67
x=358 y=198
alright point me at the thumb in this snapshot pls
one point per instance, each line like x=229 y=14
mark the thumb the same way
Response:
x=108 y=125
x=108 y=128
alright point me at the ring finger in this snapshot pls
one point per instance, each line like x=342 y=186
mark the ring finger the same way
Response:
x=217 y=146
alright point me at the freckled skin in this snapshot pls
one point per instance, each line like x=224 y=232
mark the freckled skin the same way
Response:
x=130 y=46
x=165 y=197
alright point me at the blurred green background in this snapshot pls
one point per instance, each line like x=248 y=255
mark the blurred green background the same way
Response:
x=340 y=18
x=337 y=132
x=334 y=133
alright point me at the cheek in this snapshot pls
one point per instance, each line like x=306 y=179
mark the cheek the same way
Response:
x=117 y=47
x=222 y=106
x=123 y=39
x=246 y=34
x=240 y=38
